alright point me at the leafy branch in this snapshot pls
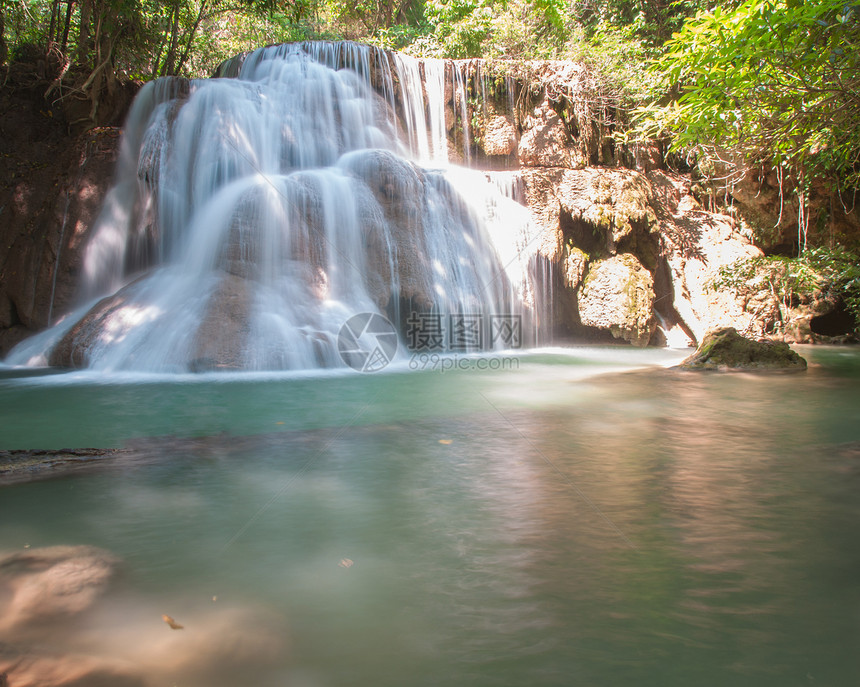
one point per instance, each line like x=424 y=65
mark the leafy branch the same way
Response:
x=828 y=274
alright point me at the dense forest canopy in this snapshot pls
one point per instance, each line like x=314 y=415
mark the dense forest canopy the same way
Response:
x=771 y=80
x=729 y=86
x=149 y=39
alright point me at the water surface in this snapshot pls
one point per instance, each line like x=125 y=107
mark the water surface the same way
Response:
x=569 y=522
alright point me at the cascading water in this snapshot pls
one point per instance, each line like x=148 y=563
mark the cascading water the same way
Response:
x=252 y=216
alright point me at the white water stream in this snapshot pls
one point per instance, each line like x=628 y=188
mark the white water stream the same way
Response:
x=251 y=217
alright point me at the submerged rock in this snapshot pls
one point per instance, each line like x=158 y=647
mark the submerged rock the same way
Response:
x=60 y=628
x=42 y=585
x=726 y=349
x=24 y=464
x=26 y=669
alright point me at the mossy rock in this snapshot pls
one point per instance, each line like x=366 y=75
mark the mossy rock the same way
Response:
x=725 y=349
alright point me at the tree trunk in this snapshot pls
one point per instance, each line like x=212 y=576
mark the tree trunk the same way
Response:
x=84 y=32
x=4 y=50
x=169 y=68
x=191 y=35
x=65 y=42
x=55 y=20
x=156 y=62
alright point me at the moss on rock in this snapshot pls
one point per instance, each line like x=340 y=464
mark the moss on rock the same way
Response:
x=726 y=349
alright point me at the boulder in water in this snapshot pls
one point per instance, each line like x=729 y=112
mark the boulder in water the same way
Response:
x=726 y=349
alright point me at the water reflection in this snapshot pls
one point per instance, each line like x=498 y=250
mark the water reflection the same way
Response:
x=646 y=528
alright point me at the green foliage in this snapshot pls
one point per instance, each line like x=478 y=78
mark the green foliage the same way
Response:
x=650 y=22
x=146 y=38
x=398 y=37
x=785 y=278
x=774 y=81
x=493 y=28
x=461 y=27
x=840 y=272
x=619 y=58
x=825 y=273
x=189 y=37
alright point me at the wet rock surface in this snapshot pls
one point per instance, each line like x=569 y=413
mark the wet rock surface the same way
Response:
x=725 y=349
x=24 y=464
x=618 y=294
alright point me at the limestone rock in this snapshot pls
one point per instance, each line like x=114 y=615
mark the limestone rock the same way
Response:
x=695 y=245
x=613 y=202
x=647 y=156
x=24 y=464
x=545 y=141
x=573 y=269
x=398 y=187
x=500 y=135
x=600 y=211
x=770 y=209
x=72 y=349
x=618 y=295
x=223 y=332
x=698 y=245
x=541 y=195
x=726 y=349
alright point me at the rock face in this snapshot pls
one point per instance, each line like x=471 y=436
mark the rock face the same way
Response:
x=590 y=218
x=500 y=135
x=51 y=190
x=44 y=223
x=725 y=349
x=618 y=295
x=694 y=245
x=768 y=207
x=545 y=141
x=25 y=464
x=391 y=201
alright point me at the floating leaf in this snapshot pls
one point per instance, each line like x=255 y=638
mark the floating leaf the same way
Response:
x=173 y=624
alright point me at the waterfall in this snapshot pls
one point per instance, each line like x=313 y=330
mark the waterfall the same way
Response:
x=252 y=216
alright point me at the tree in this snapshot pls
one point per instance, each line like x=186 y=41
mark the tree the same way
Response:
x=772 y=81
x=650 y=21
x=4 y=50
